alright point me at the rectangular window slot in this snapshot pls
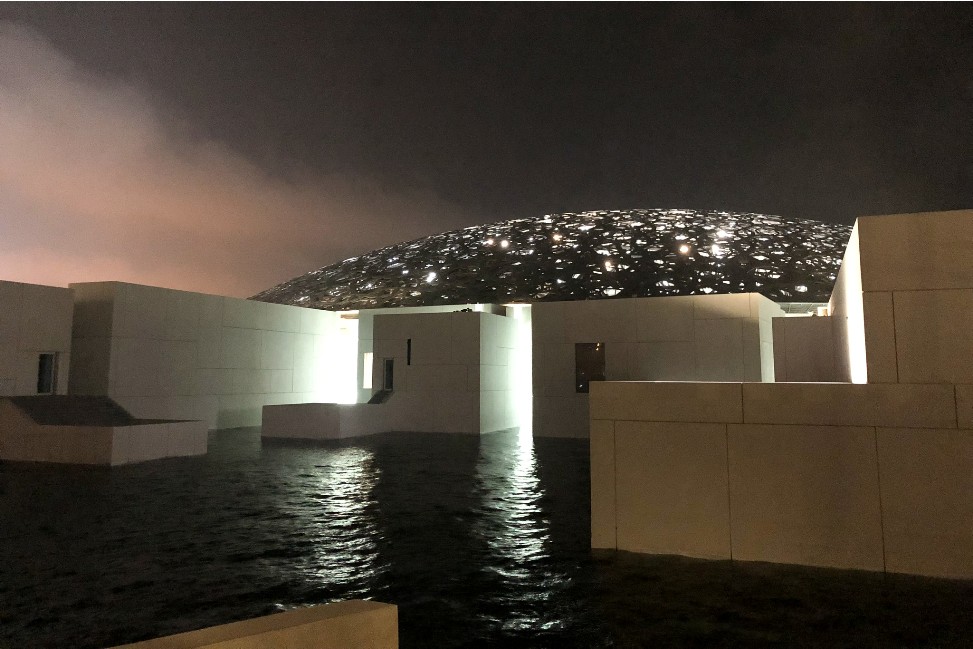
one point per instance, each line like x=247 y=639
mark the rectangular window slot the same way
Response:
x=46 y=373
x=408 y=352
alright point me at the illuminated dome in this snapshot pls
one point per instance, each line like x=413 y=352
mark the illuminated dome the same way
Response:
x=590 y=255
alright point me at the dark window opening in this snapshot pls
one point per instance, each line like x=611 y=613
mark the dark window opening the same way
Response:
x=46 y=373
x=589 y=364
x=408 y=352
x=387 y=374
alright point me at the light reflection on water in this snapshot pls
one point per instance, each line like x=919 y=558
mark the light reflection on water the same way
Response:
x=344 y=526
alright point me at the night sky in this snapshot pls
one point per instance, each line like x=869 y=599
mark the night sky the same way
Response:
x=226 y=148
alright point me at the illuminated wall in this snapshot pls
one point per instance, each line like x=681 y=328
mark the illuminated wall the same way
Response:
x=34 y=320
x=691 y=338
x=452 y=371
x=162 y=353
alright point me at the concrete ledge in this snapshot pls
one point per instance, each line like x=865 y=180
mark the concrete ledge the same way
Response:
x=23 y=440
x=323 y=420
x=845 y=404
x=665 y=401
x=355 y=624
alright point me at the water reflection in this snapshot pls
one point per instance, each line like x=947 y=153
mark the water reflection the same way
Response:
x=344 y=527
x=516 y=532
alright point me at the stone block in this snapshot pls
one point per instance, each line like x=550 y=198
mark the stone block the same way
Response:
x=710 y=307
x=686 y=402
x=94 y=309
x=803 y=349
x=671 y=489
x=353 y=624
x=603 y=484
x=431 y=351
x=277 y=350
x=927 y=501
x=561 y=416
x=719 y=349
x=240 y=348
x=282 y=317
x=664 y=361
x=553 y=369
x=933 y=336
x=664 y=319
x=926 y=251
x=11 y=308
x=182 y=315
x=621 y=361
x=964 y=406
x=842 y=404
x=92 y=359
x=806 y=495
x=880 y=338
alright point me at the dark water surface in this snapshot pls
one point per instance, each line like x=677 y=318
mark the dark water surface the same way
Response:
x=480 y=541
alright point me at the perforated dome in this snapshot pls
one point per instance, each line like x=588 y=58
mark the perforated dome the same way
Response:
x=590 y=255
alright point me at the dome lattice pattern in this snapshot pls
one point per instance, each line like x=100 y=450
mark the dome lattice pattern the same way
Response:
x=590 y=255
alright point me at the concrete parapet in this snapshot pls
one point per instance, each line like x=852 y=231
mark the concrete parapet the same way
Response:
x=873 y=477
x=354 y=624
x=23 y=440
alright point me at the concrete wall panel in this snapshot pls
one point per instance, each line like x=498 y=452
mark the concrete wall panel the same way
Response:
x=683 y=402
x=603 y=506
x=933 y=336
x=926 y=251
x=927 y=500
x=805 y=495
x=671 y=489
x=893 y=405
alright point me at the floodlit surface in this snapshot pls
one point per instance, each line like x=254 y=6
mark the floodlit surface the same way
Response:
x=480 y=541
x=634 y=253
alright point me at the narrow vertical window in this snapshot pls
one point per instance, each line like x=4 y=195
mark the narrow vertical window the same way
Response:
x=387 y=374
x=46 y=373
x=589 y=364
x=408 y=352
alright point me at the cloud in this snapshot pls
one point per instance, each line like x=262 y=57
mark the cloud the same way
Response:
x=95 y=185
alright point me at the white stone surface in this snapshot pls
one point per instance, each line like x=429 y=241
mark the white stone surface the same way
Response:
x=927 y=500
x=352 y=624
x=933 y=337
x=837 y=404
x=34 y=319
x=22 y=440
x=671 y=489
x=924 y=251
x=177 y=355
x=806 y=495
x=688 y=338
x=804 y=349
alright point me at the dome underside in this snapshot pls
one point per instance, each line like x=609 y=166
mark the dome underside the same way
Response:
x=591 y=255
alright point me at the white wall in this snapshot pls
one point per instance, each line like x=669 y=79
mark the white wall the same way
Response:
x=460 y=376
x=366 y=324
x=804 y=349
x=690 y=338
x=873 y=477
x=33 y=320
x=162 y=353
